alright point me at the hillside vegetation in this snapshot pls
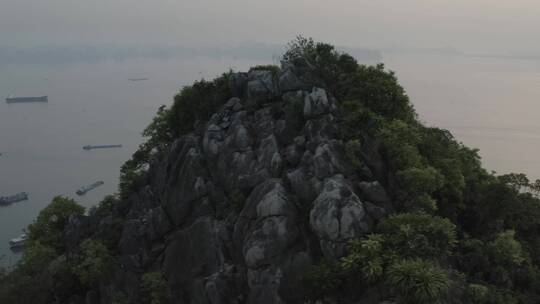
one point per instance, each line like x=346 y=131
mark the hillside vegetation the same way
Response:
x=439 y=229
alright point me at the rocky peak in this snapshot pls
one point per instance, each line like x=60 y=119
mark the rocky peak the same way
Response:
x=237 y=211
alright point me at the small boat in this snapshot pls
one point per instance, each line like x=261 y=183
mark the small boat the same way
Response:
x=18 y=242
x=137 y=79
x=8 y=200
x=12 y=99
x=101 y=147
x=85 y=189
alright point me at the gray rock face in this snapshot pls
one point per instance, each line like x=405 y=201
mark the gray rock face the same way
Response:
x=261 y=85
x=188 y=258
x=337 y=217
x=317 y=103
x=267 y=224
x=237 y=83
x=374 y=192
x=237 y=211
x=289 y=81
x=186 y=179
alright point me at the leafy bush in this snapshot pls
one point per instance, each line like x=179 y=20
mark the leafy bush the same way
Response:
x=505 y=250
x=196 y=103
x=353 y=149
x=401 y=145
x=419 y=235
x=423 y=203
x=478 y=293
x=358 y=121
x=269 y=67
x=96 y=263
x=155 y=289
x=380 y=91
x=417 y=281
x=367 y=256
x=29 y=282
x=49 y=226
x=322 y=280
x=517 y=181
x=120 y=298
x=106 y=206
x=417 y=181
x=392 y=256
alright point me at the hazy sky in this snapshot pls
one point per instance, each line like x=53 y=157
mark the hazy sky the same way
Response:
x=470 y=25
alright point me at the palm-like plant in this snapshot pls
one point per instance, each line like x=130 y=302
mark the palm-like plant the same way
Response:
x=418 y=281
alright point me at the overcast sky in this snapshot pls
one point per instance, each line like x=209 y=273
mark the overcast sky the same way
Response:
x=469 y=25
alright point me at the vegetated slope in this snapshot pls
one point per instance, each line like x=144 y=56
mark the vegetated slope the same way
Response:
x=309 y=182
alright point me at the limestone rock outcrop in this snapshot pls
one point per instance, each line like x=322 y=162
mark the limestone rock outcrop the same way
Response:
x=239 y=209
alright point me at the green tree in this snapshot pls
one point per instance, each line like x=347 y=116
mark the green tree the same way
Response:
x=371 y=86
x=401 y=145
x=417 y=181
x=31 y=280
x=505 y=250
x=106 y=206
x=419 y=235
x=478 y=293
x=196 y=103
x=95 y=264
x=49 y=226
x=518 y=181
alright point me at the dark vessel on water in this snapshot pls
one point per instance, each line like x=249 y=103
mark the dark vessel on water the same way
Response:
x=83 y=190
x=8 y=200
x=11 y=99
x=18 y=243
x=89 y=147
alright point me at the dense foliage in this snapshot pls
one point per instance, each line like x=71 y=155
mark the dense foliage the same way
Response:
x=461 y=234
x=155 y=289
x=49 y=271
x=44 y=274
x=95 y=262
x=48 y=228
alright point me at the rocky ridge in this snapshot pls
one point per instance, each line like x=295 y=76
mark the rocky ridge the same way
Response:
x=241 y=207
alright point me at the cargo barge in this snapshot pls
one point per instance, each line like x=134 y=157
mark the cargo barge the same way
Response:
x=18 y=243
x=85 y=189
x=11 y=99
x=8 y=200
x=101 y=147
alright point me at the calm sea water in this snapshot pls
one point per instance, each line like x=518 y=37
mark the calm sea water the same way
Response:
x=487 y=103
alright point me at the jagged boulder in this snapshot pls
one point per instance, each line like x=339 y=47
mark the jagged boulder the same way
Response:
x=374 y=192
x=261 y=85
x=289 y=81
x=337 y=217
x=317 y=103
